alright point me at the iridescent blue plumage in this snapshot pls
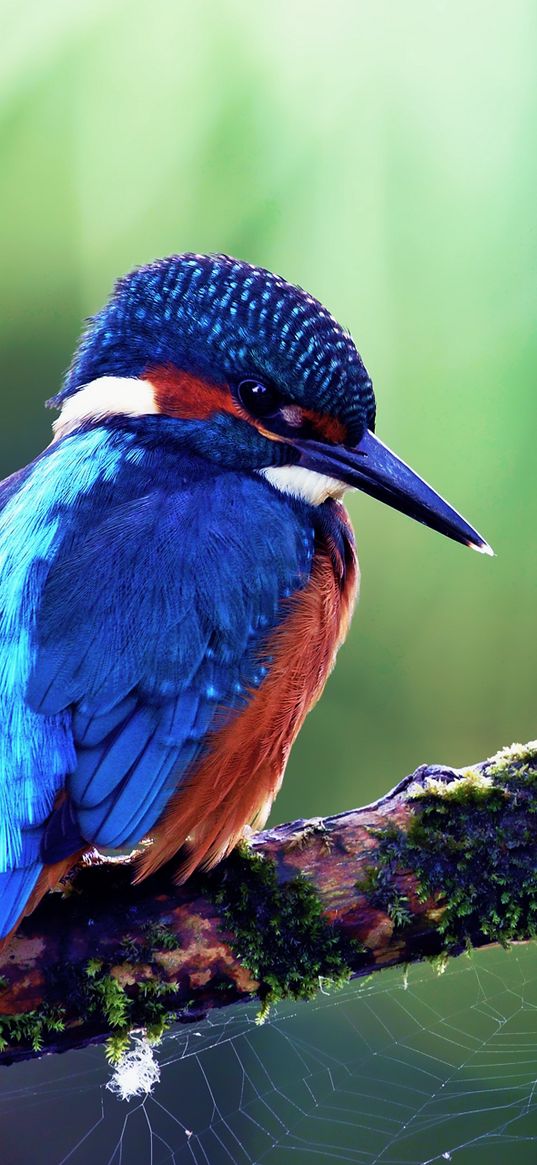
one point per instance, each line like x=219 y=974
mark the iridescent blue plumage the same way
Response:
x=150 y=581
x=175 y=572
x=220 y=316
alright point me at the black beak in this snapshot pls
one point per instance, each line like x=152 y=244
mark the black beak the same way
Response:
x=373 y=468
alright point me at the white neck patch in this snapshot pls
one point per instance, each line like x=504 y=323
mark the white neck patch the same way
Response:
x=109 y=395
x=105 y=397
x=304 y=483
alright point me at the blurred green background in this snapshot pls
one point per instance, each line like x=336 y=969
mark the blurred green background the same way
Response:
x=383 y=156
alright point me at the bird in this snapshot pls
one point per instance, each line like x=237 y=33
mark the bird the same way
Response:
x=178 y=570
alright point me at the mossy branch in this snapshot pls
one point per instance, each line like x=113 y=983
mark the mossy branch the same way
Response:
x=446 y=860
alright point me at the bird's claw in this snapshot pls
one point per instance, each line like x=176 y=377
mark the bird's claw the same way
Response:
x=314 y=827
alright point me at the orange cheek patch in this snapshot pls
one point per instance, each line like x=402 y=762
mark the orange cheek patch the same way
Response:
x=179 y=394
x=331 y=428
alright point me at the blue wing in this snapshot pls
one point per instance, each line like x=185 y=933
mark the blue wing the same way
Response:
x=147 y=631
x=38 y=506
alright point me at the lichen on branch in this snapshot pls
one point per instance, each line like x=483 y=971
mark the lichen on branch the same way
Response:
x=470 y=846
x=446 y=860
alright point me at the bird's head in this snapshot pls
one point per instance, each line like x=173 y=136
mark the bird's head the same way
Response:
x=257 y=374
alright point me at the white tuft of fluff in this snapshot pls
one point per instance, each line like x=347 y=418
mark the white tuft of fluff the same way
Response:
x=104 y=397
x=136 y=1073
x=304 y=483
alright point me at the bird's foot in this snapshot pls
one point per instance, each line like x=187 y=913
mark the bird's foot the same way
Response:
x=313 y=827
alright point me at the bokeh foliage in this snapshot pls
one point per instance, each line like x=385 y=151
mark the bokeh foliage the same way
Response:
x=383 y=156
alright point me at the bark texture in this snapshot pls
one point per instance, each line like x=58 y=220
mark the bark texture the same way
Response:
x=446 y=859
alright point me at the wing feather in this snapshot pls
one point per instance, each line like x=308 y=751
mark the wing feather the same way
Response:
x=148 y=631
x=150 y=627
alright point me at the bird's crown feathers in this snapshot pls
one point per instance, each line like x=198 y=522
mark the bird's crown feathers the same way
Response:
x=223 y=320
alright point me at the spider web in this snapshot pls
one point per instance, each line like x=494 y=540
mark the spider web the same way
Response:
x=400 y=1070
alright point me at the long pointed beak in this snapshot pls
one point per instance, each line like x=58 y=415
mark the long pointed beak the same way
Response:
x=372 y=467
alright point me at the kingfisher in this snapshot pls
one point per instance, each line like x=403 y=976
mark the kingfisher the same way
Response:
x=177 y=569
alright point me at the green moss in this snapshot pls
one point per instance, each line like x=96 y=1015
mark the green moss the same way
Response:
x=471 y=788
x=92 y=968
x=439 y=962
x=519 y=755
x=379 y=883
x=106 y=998
x=148 y=1011
x=469 y=845
x=130 y=950
x=116 y=1047
x=110 y=998
x=31 y=1028
x=159 y=937
x=95 y=996
x=398 y=911
x=151 y=1005
x=280 y=931
x=154 y=937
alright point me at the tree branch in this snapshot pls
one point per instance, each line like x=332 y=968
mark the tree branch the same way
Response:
x=446 y=859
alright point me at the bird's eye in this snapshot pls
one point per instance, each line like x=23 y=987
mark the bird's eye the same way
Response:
x=259 y=399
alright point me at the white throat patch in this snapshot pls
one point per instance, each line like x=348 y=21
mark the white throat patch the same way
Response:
x=109 y=395
x=105 y=397
x=304 y=483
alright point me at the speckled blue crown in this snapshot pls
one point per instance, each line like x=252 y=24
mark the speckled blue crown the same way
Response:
x=225 y=319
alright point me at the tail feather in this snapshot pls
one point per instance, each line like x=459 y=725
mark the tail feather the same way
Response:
x=16 y=886
x=22 y=890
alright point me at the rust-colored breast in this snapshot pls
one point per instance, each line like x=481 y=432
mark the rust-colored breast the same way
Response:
x=239 y=776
